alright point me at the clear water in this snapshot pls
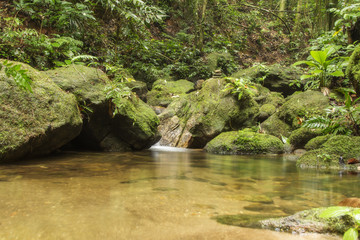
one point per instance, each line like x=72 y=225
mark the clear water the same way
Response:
x=158 y=194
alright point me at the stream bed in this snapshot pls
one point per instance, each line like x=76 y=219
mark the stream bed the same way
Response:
x=163 y=193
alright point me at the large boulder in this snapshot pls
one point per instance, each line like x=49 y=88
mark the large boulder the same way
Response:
x=328 y=154
x=37 y=122
x=244 y=142
x=291 y=114
x=193 y=120
x=164 y=91
x=275 y=77
x=134 y=127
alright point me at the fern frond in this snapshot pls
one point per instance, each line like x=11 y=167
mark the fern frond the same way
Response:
x=318 y=122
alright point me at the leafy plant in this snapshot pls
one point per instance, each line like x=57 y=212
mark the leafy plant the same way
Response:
x=343 y=119
x=239 y=86
x=19 y=75
x=320 y=69
x=333 y=212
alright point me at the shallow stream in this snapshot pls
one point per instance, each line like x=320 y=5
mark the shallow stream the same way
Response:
x=162 y=193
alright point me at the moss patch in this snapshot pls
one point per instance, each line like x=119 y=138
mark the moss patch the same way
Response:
x=244 y=142
x=327 y=156
x=165 y=91
x=301 y=136
x=38 y=122
x=317 y=142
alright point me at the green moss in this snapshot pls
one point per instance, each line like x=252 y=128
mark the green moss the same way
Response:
x=165 y=91
x=317 y=142
x=274 y=126
x=244 y=142
x=353 y=70
x=305 y=104
x=28 y=118
x=327 y=156
x=309 y=221
x=301 y=136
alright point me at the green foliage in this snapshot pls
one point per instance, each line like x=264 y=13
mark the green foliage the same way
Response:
x=116 y=92
x=344 y=119
x=21 y=78
x=320 y=69
x=239 y=86
x=348 y=16
x=333 y=212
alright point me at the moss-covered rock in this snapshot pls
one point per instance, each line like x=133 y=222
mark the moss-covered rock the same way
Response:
x=297 y=106
x=275 y=77
x=304 y=104
x=274 y=126
x=244 y=142
x=327 y=156
x=164 y=91
x=301 y=136
x=134 y=127
x=308 y=221
x=140 y=88
x=266 y=111
x=317 y=142
x=195 y=119
x=38 y=122
x=353 y=70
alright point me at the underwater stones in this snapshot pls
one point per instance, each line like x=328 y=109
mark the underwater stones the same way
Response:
x=134 y=127
x=350 y=202
x=244 y=142
x=194 y=119
x=164 y=91
x=38 y=122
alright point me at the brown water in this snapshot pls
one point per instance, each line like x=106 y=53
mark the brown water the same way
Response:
x=158 y=195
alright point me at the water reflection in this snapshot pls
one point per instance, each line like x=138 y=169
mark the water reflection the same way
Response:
x=157 y=195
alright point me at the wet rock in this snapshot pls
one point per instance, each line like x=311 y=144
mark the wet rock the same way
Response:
x=38 y=122
x=193 y=120
x=133 y=127
x=308 y=221
x=300 y=137
x=244 y=142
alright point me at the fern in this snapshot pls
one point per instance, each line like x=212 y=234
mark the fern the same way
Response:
x=318 y=122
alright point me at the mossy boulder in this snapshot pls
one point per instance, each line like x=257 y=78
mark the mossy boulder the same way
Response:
x=298 y=106
x=327 y=156
x=353 y=70
x=133 y=128
x=37 y=122
x=164 y=91
x=308 y=221
x=275 y=77
x=194 y=119
x=138 y=87
x=301 y=136
x=317 y=142
x=266 y=111
x=244 y=142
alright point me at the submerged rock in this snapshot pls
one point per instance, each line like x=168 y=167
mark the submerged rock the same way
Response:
x=38 y=122
x=194 y=119
x=244 y=142
x=134 y=127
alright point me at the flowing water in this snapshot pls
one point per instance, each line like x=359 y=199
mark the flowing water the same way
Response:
x=157 y=194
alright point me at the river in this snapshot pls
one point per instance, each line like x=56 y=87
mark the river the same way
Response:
x=163 y=193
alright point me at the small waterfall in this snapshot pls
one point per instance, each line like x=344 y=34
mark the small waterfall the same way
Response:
x=157 y=147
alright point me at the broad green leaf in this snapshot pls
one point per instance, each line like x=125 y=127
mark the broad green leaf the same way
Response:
x=337 y=73
x=338 y=22
x=317 y=71
x=319 y=56
x=310 y=63
x=335 y=212
x=303 y=77
x=351 y=234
